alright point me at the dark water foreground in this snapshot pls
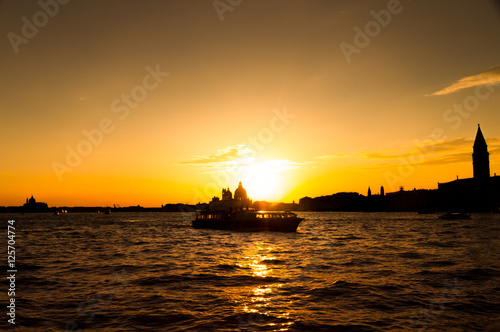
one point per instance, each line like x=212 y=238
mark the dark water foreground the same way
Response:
x=339 y=272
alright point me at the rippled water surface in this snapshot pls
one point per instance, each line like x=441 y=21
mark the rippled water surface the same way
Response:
x=339 y=272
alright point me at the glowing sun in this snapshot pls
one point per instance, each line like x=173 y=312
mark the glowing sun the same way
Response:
x=263 y=182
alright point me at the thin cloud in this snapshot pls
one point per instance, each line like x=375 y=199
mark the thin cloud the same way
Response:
x=332 y=156
x=439 y=153
x=442 y=147
x=229 y=155
x=450 y=145
x=384 y=154
x=239 y=158
x=454 y=158
x=435 y=159
x=489 y=77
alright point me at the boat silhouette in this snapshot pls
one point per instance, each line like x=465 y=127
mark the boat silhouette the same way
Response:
x=237 y=214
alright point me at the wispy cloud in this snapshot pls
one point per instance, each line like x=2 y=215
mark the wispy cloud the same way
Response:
x=224 y=157
x=442 y=147
x=439 y=153
x=239 y=157
x=332 y=156
x=489 y=77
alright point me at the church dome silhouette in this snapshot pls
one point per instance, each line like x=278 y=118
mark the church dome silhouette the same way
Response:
x=240 y=193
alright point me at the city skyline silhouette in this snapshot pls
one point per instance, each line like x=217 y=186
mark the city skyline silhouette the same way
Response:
x=168 y=102
x=480 y=193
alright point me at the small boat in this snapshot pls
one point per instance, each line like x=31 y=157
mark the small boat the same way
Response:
x=237 y=214
x=454 y=216
x=248 y=220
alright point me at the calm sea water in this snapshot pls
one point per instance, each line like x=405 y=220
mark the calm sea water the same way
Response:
x=339 y=272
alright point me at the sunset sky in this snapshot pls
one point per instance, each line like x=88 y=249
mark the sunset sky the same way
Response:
x=154 y=102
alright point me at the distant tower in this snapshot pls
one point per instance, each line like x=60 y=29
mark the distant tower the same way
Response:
x=369 y=192
x=481 y=157
x=226 y=194
x=382 y=191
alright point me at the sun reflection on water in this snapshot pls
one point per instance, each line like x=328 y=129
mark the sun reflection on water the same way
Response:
x=260 y=305
x=259 y=270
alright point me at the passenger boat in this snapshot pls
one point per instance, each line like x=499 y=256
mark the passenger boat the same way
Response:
x=248 y=220
x=237 y=214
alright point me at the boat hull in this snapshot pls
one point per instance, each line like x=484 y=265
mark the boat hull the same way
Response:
x=253 y=225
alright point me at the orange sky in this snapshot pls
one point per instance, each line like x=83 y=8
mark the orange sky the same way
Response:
x=130 y=102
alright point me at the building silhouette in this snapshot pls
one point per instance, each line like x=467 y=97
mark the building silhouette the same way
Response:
x=240 y=194
x=481 y=158
x=32 y=205
x=481 y=193
x=230 y=203
x=226 y=194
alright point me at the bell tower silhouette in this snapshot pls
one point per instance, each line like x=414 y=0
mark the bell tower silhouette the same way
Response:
x=481 y=157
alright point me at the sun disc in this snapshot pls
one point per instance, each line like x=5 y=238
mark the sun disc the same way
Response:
x=262 y=183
